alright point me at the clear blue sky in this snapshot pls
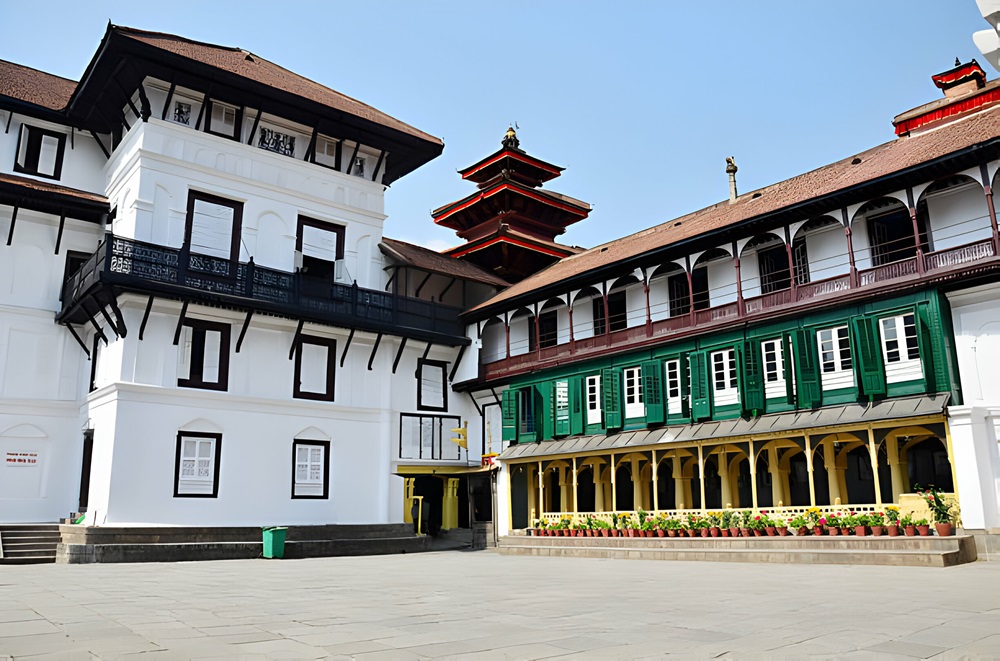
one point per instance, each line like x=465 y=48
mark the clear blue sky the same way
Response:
x=640 y=101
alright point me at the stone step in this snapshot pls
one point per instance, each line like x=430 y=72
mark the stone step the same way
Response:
x=29 y=534
x=915 y=552
x=28 y=560
x=10 y=548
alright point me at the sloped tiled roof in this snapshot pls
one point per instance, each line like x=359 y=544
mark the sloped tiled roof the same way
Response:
x=874 y=163
x=434 y=262
x=253 y=67
x=33 y=86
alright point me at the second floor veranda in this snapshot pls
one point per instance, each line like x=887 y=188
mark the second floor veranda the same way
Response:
x=913 y=237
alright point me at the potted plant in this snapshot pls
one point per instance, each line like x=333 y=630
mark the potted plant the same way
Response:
x=923 y=527
x=892 y=520
x=876 y=520
x=782 y=527
x=648 y=527
x=713 y=522
x=847 y=524
x=746 y=520
x=815 y=517
x=726 y=523
x=940 y=511
x=800 y=524
x=819 y=526
x=615 y=529
x=673 y=527
x=861 y=523
x=833 y=522
x=907 y=524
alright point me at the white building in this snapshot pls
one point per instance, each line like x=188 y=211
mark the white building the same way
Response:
x=199 y=325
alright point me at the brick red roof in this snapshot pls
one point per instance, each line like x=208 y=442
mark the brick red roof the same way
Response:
x=33 y=86
x=874 y=163
x=253 y=67
x=434 y=262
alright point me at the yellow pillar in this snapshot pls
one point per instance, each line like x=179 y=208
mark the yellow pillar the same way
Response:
x=777 y=486
x=656 y=490
x=408 y=483
x=608 y=494
x=614 y=495
x=809 y=471
x=564 y=486
x=951 y=458
x=532 y=492
x=727 y=487
x=734 y=482
x=678 y=474
x=753 y=476
x=637 y=495
x=873 y=452
x=575 y=505
x=541 y=490
x=701 y=475
x=892 y=456
x=449 y=504
x=832 y=473
x=598 y=487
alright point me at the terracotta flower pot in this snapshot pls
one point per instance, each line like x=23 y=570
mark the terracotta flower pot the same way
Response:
x=734 y=532
x=860 y=531
x=745 y=532
x=877 y=531
x=615 y=533
x=782 y=531
x=818 y=530
x=724 y=532
x=605 y=532
x=892 y=530
x=845 y=530
x=944 y=529
x=770 y=530
x=691 y=532
x=714 y=532
x=661 y=532
x=703 y=532
x=910 y=531
x=834 y=531
x=671 y=533
x=924 y=530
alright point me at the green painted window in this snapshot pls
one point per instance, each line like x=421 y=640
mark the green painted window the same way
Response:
x=560 y=407
x=612 y=383
x=652 y=392
x=508 y=412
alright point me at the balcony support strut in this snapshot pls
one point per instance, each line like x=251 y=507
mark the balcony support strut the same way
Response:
x=170 y=96
x=13 y=220
x=458 y=361
x=427 y=350
x=475 y=403
x=850 y=246
x=256 y=122
x=107 y=318
x=740 y=308
x=79 y=340
x=180 y=322
x=371 y=358
x=119 y=318
x=343 y=356
x=399 y=354
x=988 y=189
x=93 y=322
x=416 y=294
x=295 y=339
x=59 y=233
x=243 y=330
x=145 y=317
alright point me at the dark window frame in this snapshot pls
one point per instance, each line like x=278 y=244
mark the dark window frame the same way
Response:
x=32 y=155
x=617 y=321
x=331 y=368
x=181 y=435
x=237 y=123
x=443 y=366
x=327 y=226
x=326 y=468
x=237 y=207
x=71 y=256
x=200 y=326
x=548 y=329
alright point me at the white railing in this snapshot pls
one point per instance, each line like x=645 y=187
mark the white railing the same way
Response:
x=778 y=513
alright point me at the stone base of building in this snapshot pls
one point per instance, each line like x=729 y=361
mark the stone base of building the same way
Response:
x=897 y=551
x=86 y=544
x=987 y=543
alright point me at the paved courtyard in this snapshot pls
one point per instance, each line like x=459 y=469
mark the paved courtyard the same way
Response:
x=475 y=605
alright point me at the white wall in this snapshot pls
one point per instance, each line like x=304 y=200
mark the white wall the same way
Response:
x=958 y=216
x=83 y=161
x=826 y=248
x=722 y=281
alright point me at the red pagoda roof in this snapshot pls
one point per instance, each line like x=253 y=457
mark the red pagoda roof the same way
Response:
x=532 y=170
x=504 y=195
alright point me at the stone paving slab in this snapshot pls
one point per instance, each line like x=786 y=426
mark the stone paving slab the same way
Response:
x=485 y=605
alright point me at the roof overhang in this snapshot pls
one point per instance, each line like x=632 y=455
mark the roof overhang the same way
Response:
x=507 y=159
x=460 y=214
x=44 y=197
x=830 y=419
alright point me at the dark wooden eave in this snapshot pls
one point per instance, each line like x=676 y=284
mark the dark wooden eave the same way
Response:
x=46 y=197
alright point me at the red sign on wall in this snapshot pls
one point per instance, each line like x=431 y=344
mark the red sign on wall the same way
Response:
x=20 y=459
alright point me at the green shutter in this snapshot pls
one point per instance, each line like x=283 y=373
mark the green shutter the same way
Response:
x=788 y=368
x=701 y=406
x=576 y=399
x=508 y=410
x=652 y=391
x=808 y=387
x=561 y=414
x=925 y=344
x=868 y=365
x=752 y=382
x=611 y=382
x=539 y=401
x=684 y=374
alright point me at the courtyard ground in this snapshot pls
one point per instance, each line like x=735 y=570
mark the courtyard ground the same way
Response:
x=472 y=605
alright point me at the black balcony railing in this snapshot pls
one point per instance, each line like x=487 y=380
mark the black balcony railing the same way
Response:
x=145 y=267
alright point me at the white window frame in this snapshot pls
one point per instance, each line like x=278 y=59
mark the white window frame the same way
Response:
x=310 y=468
x=672 y=372
x=836 y=361
x=900 y=349
x=594 y=397
x=197 y=469
x=562 y=402
x=772 y=354
x=724 y=366
x=632 y=385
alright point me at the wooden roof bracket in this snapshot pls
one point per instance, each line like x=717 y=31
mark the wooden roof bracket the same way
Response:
x=79 y=340
x=416 y=294
x=354 y=155
x=371 y=358
x=378 y=164
x=121 y=329
x=343 y=356
x=256 y=122
x=180 y=322
x=170 y=96
x=399 y=354
x=62 y=225
x=295 y=339
x=10 y=116
x=13 y=220
x=100 y=144
x=458 y=360
x=93 y=322
x=243 y=331
x=495 y=395
x=145 y=317
x=475 y=403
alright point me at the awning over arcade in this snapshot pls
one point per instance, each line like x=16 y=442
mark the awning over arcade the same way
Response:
x=766 y=426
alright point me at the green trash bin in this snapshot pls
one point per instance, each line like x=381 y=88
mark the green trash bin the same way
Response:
x=274 y=542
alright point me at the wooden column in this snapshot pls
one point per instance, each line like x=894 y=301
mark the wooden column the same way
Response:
x=809 y=470
x=679 y=490
x=649 y=315
x=538 y=337
x=793 y=285
x=687 y=272
x=916 y=230
x=873 y=451
x=607 y=321
x=572 y=340
x=656 y=490
x=740 y=309
x=701 y=476
x=988 y=189
x=533 y=509
x=564 y=487
x=506 y=330
x=850 y=251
